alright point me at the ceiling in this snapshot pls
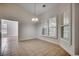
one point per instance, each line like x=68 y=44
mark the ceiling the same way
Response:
x=39 y=9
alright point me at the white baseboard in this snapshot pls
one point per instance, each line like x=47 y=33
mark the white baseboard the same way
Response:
x=49 y=40
x=26 y=38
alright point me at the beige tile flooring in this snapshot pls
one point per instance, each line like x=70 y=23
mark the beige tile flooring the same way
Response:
x=36 y=47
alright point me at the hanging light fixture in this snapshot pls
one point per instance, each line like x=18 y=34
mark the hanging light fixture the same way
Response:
x=35 y=19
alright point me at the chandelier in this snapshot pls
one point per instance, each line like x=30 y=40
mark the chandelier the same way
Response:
x=35 y=19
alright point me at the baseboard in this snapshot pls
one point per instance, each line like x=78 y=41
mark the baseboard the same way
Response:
x=25 y=39
x=49 y=40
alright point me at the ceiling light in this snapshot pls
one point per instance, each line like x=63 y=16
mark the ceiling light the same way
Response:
x=35 y=19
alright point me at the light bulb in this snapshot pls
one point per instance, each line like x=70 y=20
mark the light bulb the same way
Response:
x=36 y=19
x=33 y=19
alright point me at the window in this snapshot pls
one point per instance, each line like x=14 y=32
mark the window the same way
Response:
x=66 y=26
x=4 y=27
x=52 y=27
x=45 y=30
x=65 y=32
x=49 y=29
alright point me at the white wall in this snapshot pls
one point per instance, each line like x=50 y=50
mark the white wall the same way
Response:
x=12 y=28
x=27 y=31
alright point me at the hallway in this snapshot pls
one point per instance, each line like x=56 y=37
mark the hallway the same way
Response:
x=37 y=47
